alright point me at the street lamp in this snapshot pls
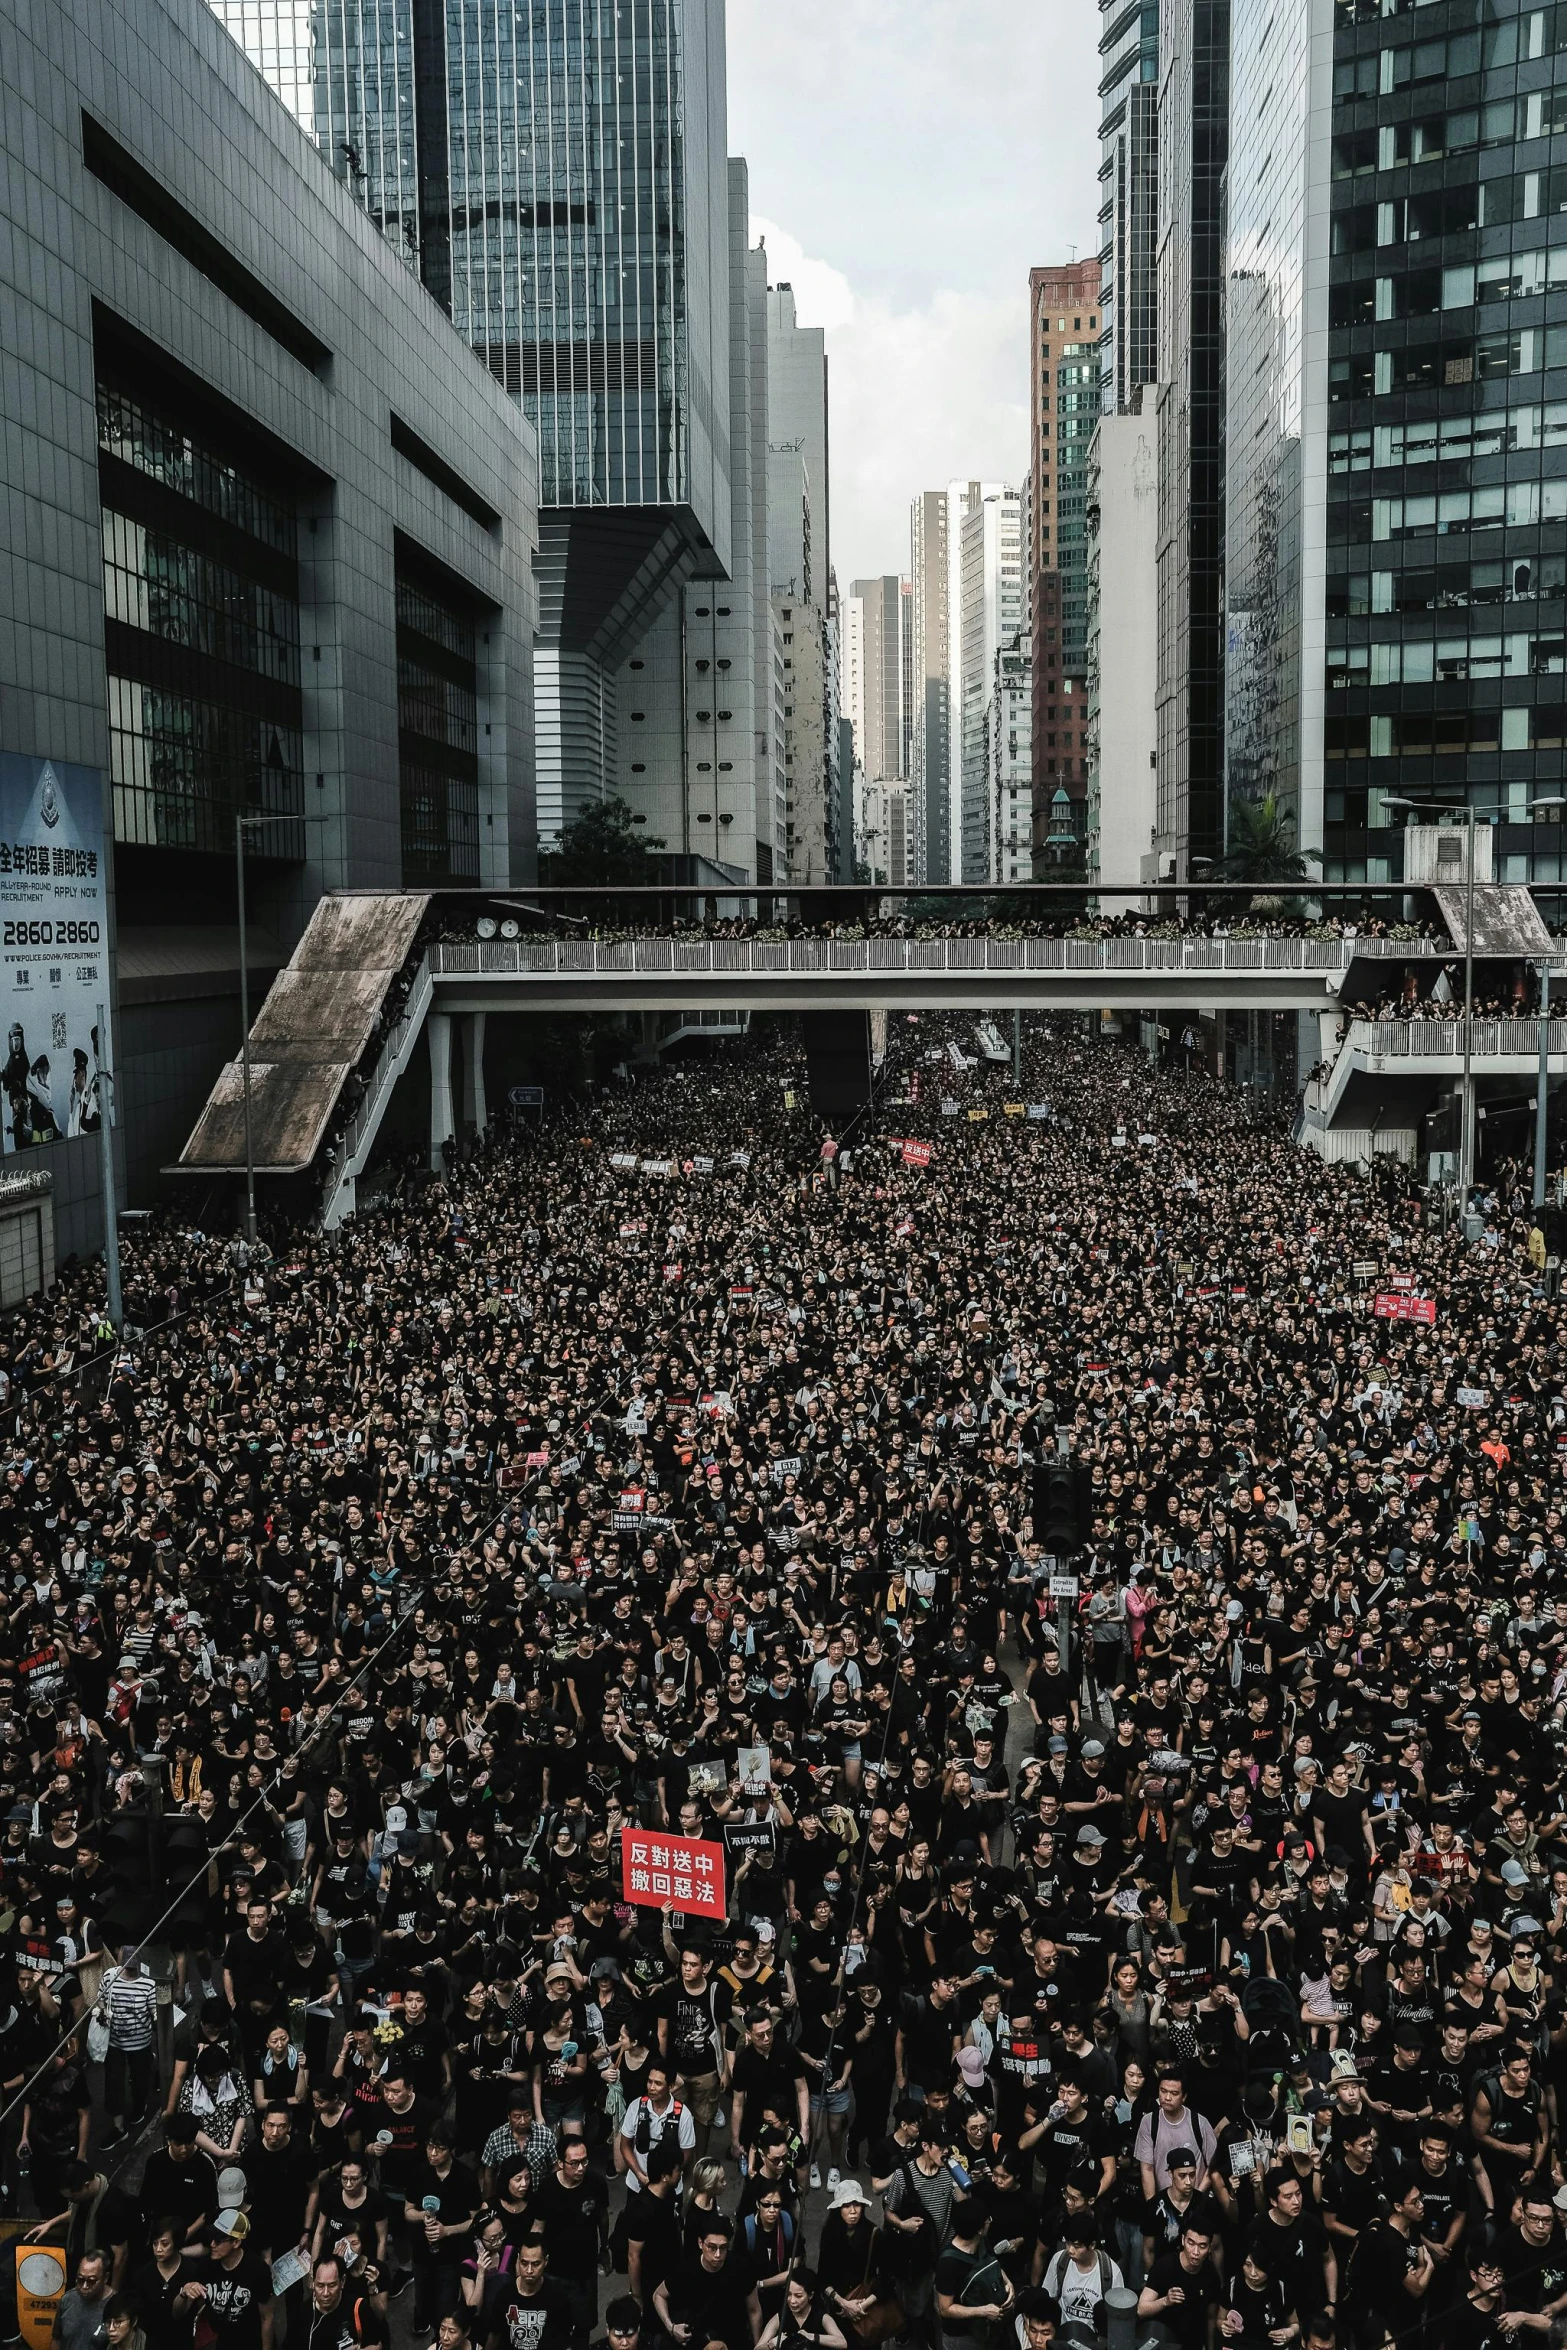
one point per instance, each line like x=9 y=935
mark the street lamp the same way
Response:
x=1542 y=1083
x=1466 y=1135
x=240 y=825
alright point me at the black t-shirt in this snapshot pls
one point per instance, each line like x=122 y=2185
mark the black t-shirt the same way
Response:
x=712 y=2306
x=1383 y=2259
x=454 y=2198
x=573 y=2227
x=235 y=2298
x=185 y=2189
x=1188 y=2319
x=1532 y=2274
x=691 y=2020
x=536 y=2321
x=767 y=2082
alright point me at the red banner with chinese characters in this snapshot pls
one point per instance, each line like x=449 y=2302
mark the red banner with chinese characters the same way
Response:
x=1399 y=1306
x=915 y=1154
x=687 y=1870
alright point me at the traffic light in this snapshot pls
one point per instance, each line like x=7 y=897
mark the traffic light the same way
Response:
x=1055 y=1506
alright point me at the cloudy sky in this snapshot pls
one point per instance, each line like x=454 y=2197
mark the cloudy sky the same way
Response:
x=910 y=161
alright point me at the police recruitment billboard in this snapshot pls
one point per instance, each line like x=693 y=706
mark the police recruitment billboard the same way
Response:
x=54 y=948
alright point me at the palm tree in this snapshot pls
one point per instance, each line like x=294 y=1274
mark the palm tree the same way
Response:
x=1262 y=843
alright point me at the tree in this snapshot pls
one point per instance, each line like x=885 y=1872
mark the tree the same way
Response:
x=1262 y=843
x=598 y=849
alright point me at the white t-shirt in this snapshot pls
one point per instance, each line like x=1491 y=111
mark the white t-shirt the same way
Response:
x=1080 y=2291
x=654 y=2128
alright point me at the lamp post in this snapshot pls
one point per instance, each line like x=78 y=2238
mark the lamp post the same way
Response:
x=240 y=825
x=1543 y=1076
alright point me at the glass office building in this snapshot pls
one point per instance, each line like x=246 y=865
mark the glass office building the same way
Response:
x=1446 y=634
x=1128 y=197
x=558 y=176
x=1275 y=249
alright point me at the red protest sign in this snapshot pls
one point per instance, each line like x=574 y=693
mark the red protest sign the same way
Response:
x=916 y=1154
x=687 y=1870
x=1399 y=1306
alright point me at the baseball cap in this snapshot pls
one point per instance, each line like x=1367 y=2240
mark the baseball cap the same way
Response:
x=1092 y=1748
x=1089 y=1834
x=231 y=2223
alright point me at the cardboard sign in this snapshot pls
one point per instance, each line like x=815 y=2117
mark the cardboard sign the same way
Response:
x=685 y=1870
x=1399 y=1306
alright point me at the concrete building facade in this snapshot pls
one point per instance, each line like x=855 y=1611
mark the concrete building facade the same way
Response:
x=1123 y=645
x=1064 y=361
x=272 y=530
x=991 y=616
x=930 y=687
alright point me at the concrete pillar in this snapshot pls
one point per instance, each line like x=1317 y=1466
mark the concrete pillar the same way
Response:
x=443 y=1125
x=473 y=1105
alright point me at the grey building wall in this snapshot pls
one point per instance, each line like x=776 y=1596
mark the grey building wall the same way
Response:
x=285 y=263
x=693 y=700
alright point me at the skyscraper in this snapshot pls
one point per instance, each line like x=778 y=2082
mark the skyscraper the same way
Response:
x=804 y=592
x=879 y=730
x=694 y=699
x=930 y=684
x=1194 y=122
x=1063 y=407
x=1128 y=198
x=557 y=177
x=991 y=616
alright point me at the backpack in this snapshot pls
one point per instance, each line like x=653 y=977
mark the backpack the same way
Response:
x=911 y=2255
x=1491 y=2084
x=1058 y=2268
x=752 y=2233
x=643 y=2140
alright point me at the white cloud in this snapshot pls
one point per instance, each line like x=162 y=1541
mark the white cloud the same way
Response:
x=920 y=395
x=916 y=157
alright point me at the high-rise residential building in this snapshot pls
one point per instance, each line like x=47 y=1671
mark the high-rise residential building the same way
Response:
x=881 y=831
x=1128 y=197
x=1009 y=715
x=558 y=178
x=810 y=767
x=1064 y=326
x=931 y=687
x=1446 y=431
x=990 y=609
x=1123 y=644
x=1194 y=120
x=880 y=726
x=906 y=675
x=852 y=668
x=694 y=717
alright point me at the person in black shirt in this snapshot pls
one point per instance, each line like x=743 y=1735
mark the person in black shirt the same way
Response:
x=179 y=2182
x=231 y=2290
x=1181 y=2294
x=1393 y=2269
x=572 y=2201
x=702 y=2303
x=532 y=2313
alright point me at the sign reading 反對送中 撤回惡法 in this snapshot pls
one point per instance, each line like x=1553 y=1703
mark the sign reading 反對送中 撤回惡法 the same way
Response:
x=54 y=948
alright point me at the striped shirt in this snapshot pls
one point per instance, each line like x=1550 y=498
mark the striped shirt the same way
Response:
x=131 y=2002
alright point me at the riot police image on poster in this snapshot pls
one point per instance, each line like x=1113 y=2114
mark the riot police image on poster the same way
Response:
x=54 y=948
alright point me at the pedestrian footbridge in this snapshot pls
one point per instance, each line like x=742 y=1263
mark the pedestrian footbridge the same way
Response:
x=377 y=974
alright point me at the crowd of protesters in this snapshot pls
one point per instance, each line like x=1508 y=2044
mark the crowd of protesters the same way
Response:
x=1125 y=1672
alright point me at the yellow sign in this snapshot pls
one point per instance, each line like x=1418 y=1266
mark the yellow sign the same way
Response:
x=977 y=1117
x=1013 y=1109
x=40 y=2281
x=788 y=1097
